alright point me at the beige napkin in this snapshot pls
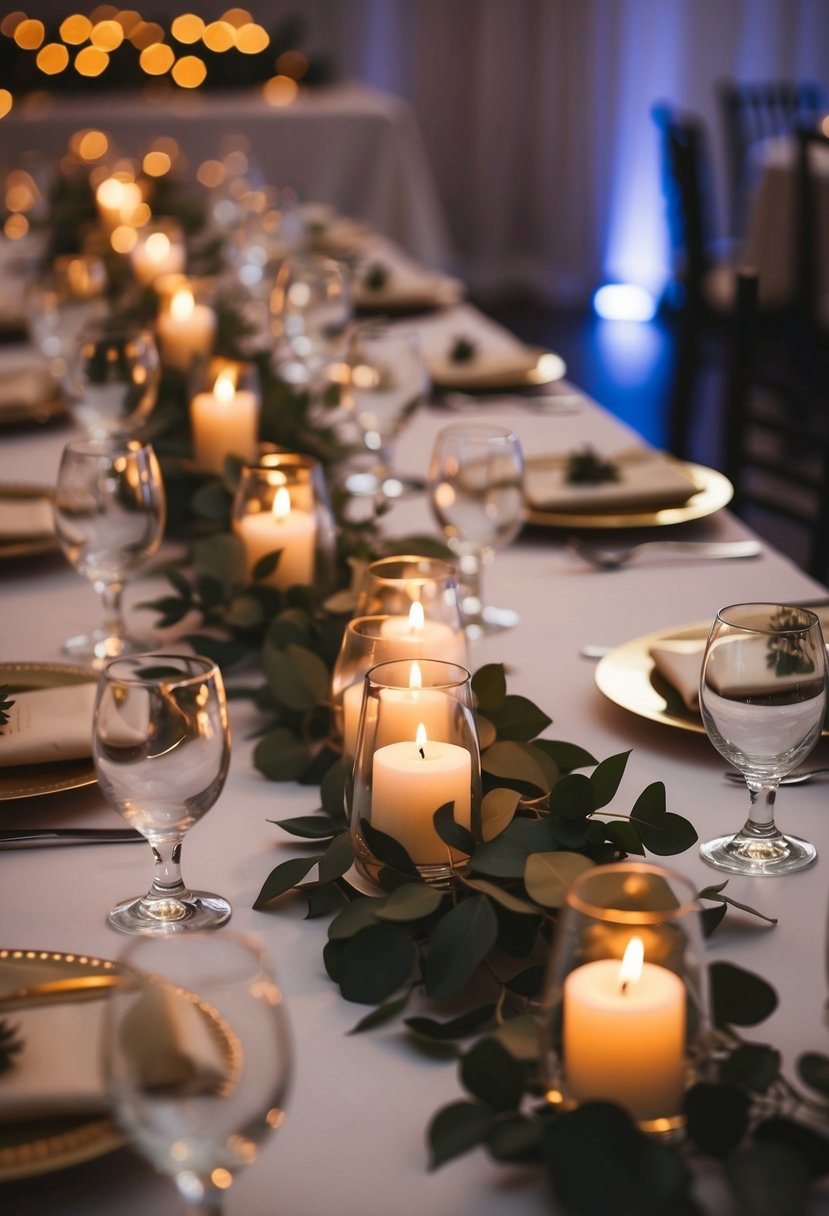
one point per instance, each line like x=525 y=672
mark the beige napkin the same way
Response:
x=679 y=663
x=25 y=386
x=59 y=1070
x=648 y=481
x=497 y=368
x=25 y=517
x=48 y=724
x=406 y=287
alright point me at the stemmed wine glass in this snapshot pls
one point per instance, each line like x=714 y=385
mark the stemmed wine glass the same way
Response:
x=61 y=302
x=197 y=1058
x=110 y=512
x=763 y=697
x=161 y=746
x=385 y=383
x=310 y=308
x=112 y=378
x=476 y=486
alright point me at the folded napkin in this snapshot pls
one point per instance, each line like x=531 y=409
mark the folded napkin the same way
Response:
x=172 y=1042
x=48 y=724
x=515 y=364
x=679 y=663
x=648 y=481
x=26 y=517
x=25 y=387
x=406 y=287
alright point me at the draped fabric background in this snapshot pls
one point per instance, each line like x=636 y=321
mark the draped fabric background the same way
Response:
x=535 y=113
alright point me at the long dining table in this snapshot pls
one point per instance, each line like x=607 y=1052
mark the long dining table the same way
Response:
x=354 y=1136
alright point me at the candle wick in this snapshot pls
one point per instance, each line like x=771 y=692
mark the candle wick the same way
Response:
x=624 y=987
x=422 y=753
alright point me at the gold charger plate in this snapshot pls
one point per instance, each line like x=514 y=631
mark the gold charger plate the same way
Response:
x=713 y=492
x=40 y=1146
x=538 y=368
x=30 y=780
x=26 y=546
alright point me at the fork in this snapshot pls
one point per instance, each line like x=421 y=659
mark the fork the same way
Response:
x=604 y=560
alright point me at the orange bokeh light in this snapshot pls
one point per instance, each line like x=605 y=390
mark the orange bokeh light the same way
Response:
x=251 y=39
x=52 y=58
x=29 y=34
x=189 y=72
x=187 y=28
x=156 y=164
x=106 y=35
x=10 y=22
x=219 y=36
x=92 y=145
x=280 y=90
x=91 y=61
x=157 y=59
x=6 y=102
x=75 y=29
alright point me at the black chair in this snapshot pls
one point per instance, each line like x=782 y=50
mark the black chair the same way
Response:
x=750 y=113
x=809 y=239
x=776 y=441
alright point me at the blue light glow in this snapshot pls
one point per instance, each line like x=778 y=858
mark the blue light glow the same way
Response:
x=624 y=302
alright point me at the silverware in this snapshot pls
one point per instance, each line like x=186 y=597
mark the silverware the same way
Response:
x=31 y=838
x=76 y=987
x=605 y=560
x=796 y=778
x=589 y=651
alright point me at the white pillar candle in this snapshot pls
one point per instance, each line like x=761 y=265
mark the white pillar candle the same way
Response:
x=224 y=423
x=155 y=254
x=624 y=1038
x=287 y=529
x=424 y=639
x=185 y=330
x=410 y=781
x=117 y=199
x=403 y=710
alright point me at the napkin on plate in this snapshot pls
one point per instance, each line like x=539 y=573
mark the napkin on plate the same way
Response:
x=648 y=481
x=48 y=724
x=679 y=663
x=25 y=387
x=496 y=368
x=407 y=287
x=26 y=517
x=58 y=1069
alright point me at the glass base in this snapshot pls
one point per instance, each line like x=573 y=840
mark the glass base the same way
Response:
x=758 y=856
x=391 y=486
x=490 y=620
x=191 y=911
x=98 y=647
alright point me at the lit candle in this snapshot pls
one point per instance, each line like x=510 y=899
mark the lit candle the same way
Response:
x=424 y=639
x=185 y=331
x=404 y=709
x=624 y=1034
x=287 y=529
x=156 y=254
x=410 y=781
x=117 y=200
x=223 y=423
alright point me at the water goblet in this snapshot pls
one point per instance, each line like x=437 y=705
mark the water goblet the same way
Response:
x=310 y=308
x=385 y=383
x=161 y=747
x=112 y=378
x=476 y=487
x=110 y=512
x=61 y=302
x=197 y=1058
x=762 y=698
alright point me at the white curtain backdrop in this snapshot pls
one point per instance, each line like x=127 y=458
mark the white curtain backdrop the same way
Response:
x=535 y=113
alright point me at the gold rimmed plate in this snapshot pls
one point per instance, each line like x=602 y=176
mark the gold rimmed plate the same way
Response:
x=32 y=780
x=13 y=544
x=713 y=492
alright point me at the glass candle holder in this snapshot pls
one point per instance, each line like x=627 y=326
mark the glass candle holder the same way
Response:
x=281 y=504
x=224 y=415
x=625 y=1009
x=158 y=250
x=419 y=596
x=417 y=749
x=366 y=642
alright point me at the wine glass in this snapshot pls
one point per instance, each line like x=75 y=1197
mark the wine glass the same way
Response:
x=197 y=1058
x=763 y=697
x=161 y=747
x=476 y=486
x=110 y=512
x=385 y=383
x=61 y=302
x=310 y=308
x=112 y=377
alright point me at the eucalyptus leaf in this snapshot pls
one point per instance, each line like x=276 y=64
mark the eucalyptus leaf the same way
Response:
x=506 y=855
x=244 y=612
x=515 y=1138
x=212 y=501
x=461 y=940
x=308 y=827
x=374 y=963
x=812 y=1146
x=500 y=896
x=493 y=1075
x=489 y=684
x=224 y=653
x=716 y=1117
x=661 y=831
x=624 y=836
x=548 y=875
x=754 y=1066
x=411 y=901
x=297 y=677
x=337 y=859
x=487 y=733
x=332 y=791
x=457 y=1028
x=266 y=565
x=498 y=809
x=286 y=876
x=450 y=831
x=520 y=762
x=606 y=778
x=291 y=626
x=222 y=556
x=520 y=1036
x=518 y=718
x=456 y=1129
x=356 y=915
x=321 y=898
x=388 y=850
x=769 y=1180
x=382 y=1014
x=566 y=756
x=572 y=797
x=813 y=1068
x=739 y=997
x=280 y=755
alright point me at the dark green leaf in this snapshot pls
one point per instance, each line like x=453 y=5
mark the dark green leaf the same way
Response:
x=489 y=684
x=506 y=855
x=606 y=778
x=411 y=901
x=812 y=1146
x=286 y=875
x=291 y=627
x=355 y=916
x=179 y=582
x=222 y=557
x=456 y=1129
x=518 y=718
x=450 y=831
x=244 y=612
x=711 y=918
x=280 y=755
x=814 y=1070
x=382 y=1014
x=661 y=831
x=309 y=827
x=717 y=1117
x=374 y=963
x=212 y=501
x=338 y=858
x=753 y=1066
x=462 y=939
x=491 y=1074
x=457 y=1028
x=528 y=982
x=498 y=810
x=222 y=652
x=266 y=565
x=332 y=791
x=548 y=875
x=515 y=1138
x=520 y=1036
x=505 y=898
x=521 y=763
x=567 y=756
x=572 y=797
x=769 y=1180
x=387 y=850
x=738 y=997
x=321 y=897
x=624 y=836
x=297 y=677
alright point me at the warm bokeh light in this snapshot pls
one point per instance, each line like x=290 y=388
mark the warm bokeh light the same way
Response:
x=10 y=22
x=187 y=28
x=29 y=34
x=145 y=34
x=221 y=1178
x=139 y=215
x=90 y=61
x=156 y=164
x=128 y=19
x=75 y=29
x=123 y=239
x=280 y=90
x=91 y=145
x=251 y=39
x=15 y=227
x=6 y=102
x=103 y=12
x=237 y=17
x=157 y=59
x=292 y=63
x=210 y=173
x=21 y=191
x=106 y=35
x=52 y=58
x=219 y=36
x=189 y=72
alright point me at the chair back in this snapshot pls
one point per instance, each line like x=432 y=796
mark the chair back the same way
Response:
x=810 y=235
x=687 y=186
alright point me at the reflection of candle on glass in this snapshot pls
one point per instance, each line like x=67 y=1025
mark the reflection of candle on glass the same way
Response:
x=156 y=254
x=185 y=330
x=410 y=781
x=424 y=639
x=403 y=710
x=624 y=1034
x=287 y=529
x=224 y=422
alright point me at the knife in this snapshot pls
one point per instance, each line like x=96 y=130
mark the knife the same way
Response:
x=31 y=838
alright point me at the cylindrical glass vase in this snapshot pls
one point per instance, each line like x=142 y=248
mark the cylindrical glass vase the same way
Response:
x=420 y=595
x=625 y=1009
x=417 y=749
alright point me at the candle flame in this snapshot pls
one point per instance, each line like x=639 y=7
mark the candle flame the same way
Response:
x=224 y=391
x=631 y=968
x=157 y=246
x=416 y=617
x=182 y=305
x=420 y=737
x=415 y=676
x=281 y=508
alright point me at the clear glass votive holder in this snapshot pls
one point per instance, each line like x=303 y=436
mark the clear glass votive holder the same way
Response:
x=417 y=749
x=625 y=1010
x=281 y=504
x=420 y=595
x=367 y=641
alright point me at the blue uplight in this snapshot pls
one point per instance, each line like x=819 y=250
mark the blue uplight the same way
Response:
x=624 y=302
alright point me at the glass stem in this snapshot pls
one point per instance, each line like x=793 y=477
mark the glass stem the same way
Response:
x=210 y=1205
x=760 y=822
x=110 y=594
x=167 y=880
x=472 y=604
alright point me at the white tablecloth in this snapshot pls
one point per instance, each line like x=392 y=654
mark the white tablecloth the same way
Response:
x=348 y=145
x=354 y=1136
